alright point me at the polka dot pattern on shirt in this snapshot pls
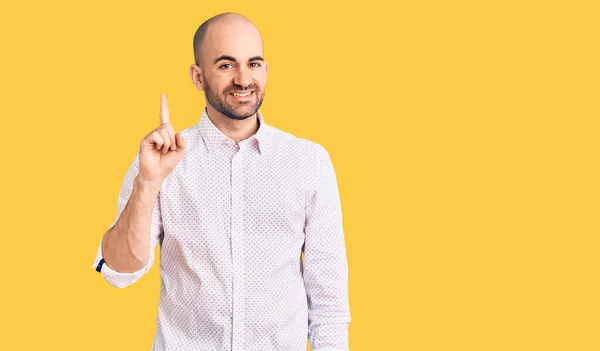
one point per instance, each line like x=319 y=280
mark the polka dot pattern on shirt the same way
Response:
x=232 y=221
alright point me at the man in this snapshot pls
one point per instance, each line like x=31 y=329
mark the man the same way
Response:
x=233 y=202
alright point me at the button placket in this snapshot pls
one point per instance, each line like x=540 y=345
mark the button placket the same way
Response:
x=237 y=244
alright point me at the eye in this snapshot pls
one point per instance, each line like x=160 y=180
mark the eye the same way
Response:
x=256 y=63
x=226 y=64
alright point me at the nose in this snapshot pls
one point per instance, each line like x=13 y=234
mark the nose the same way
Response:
x=243 y=77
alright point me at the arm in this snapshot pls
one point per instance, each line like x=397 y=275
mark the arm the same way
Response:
x=126 y=251
x=325 y=263
x=126 y=245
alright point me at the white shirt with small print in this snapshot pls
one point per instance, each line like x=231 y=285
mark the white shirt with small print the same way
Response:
x=232 y=221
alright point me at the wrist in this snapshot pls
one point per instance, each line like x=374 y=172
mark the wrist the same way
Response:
x=147 y=187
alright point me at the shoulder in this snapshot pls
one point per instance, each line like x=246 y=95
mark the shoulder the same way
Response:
x=191 y=131
x=287 y=144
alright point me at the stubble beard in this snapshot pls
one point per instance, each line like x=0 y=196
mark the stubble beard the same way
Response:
x=233 y=112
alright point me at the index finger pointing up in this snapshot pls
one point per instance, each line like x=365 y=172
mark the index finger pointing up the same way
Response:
x=164 y=109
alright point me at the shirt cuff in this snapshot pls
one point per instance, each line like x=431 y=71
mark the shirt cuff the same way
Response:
x=118 y=279
x=329 y=337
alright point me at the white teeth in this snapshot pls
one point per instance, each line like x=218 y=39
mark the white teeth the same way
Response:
x=246 y=94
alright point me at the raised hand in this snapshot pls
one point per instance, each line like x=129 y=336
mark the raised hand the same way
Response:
x=160 y=150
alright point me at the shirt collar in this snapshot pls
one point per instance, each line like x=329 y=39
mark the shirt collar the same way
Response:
x=213 y=137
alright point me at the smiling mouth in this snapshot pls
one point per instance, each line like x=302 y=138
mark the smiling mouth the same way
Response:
x=248 y=93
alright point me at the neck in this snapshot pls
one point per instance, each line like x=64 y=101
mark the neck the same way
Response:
x=235 y=129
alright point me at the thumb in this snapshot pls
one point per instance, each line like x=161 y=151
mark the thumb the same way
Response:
x=181 y=144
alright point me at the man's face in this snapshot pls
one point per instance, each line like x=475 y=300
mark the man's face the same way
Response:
x=234 y=73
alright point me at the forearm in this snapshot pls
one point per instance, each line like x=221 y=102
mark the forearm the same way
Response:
x=126 y=246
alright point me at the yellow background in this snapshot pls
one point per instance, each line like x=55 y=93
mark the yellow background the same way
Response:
x=464 y=135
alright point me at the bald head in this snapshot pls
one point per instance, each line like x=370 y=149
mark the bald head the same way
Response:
x=224 y=24
x=229 y=66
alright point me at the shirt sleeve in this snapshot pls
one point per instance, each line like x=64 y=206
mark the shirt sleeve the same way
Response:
x=118 y=279
x=325 y=267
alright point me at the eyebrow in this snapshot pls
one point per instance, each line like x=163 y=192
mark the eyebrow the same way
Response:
x=231 y=58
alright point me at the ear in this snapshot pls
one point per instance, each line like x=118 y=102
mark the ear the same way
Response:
x=196 y=77
x=266 y=65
